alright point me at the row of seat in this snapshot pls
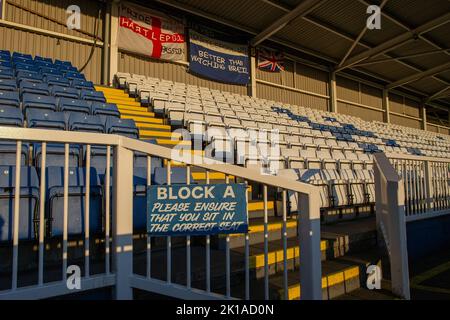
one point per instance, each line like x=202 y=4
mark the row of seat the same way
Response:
x=54 y=201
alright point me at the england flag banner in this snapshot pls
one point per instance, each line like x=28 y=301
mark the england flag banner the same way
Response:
x=151 y=33
x=218 y=60
x=270 y=60
x=180 y=210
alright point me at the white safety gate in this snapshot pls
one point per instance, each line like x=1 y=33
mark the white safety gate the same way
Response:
x=116 y=241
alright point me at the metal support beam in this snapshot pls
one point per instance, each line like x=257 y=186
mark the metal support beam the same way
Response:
x=333 y=92
x=424 y=116
x=302 y=9
x=252 y=86
x=361 y=34
x=438 y=94
x=408 y=56
x=106 y=36
x=114 y=48
x=3 y=9
x=387 y=111
x=123 y=222
x=396 y=41
x=419 y=75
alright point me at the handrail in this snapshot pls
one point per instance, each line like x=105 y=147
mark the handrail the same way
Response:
x=38 y=135
x=401 y=156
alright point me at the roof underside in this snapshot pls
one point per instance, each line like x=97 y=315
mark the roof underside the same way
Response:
x=328 y=29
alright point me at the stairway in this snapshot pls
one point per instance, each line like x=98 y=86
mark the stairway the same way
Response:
x=341 y=276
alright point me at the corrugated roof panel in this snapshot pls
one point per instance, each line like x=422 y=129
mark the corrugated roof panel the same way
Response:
x=255 y=15
x=416 y=12
x=390 y=70
x=428 y=85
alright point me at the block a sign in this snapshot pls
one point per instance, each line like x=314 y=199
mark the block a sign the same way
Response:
x=180 y=210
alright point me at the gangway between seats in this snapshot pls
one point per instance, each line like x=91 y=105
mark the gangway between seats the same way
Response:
x=115 y=266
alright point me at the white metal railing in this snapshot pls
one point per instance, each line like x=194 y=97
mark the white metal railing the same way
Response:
x=122 y=254
x=427 y=185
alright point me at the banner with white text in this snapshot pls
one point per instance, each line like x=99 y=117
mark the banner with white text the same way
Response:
x=218 y=60
x=180 y=210
x=151 y=33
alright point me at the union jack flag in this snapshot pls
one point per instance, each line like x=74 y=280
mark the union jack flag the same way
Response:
x=270 y=60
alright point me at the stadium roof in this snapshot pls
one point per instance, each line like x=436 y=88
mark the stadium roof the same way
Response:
x=411 y=51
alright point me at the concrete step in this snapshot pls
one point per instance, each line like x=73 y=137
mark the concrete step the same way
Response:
x=143 y=120
x=123 y=101
x=150 y=134
x=140 y=113
x=153 y=126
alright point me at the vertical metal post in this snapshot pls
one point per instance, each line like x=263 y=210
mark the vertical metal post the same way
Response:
x=333 y=92
x=123 y=221
x=284 y=239
x=266 y=245
x=149 y=238
x=87 y=213
x=107 y=209
x=252 y=87
x=309 y=231
x=114 y=47
x=65 y=209
x=16 y=220
x=169 y=239
x=188 y=238
x=42 y=214
x=227 y=258
x=208 y=252
x=386 y=108
x=106 y=39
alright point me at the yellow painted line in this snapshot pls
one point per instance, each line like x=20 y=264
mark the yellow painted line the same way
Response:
x=257 y=261
x=145 y=126
x=327 y=281
x=110 y=90
x=143 y=119
x=212 y=176
x=274 y=226
x=430 y=273
x=127 y=102
x=165 y=134
x=173 y=142
x=142 y=113
x=430 y=289
x=116 y=95
x=131 y=108
x=256 y=206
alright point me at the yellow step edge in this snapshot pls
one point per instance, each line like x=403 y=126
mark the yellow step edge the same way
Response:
x=173 y=142
x=212 y=176
x=166 y=134
x=327 y=281
x=142 y=113
x=256 y=206
x=124 y=102
x=107 y=89
x=273 y=257
x=131 y=108
x=146 y=126
x=270 y=227
x=143 y=119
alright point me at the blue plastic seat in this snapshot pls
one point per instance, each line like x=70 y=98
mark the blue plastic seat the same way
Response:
x=55 y=154
x=28 y=76
x=43 y=59
x=80 y=122
x=19 y=55
x=31 y=68
x=177 y=176
x=64 y=92
x=53 y=80
x=34 y=101
x=74 y=75
x=64 y=69
x=74 y=105
x=124 y=127
x=63 y=63
x=6 y=64
x=8 y=98
x=34 y=88
x=28 y=205
x=6 y=73
x=92 y=95
x=45 y=119
x=44 y=64
x=11 y=116
x=8 y=151
x=8 y=85
x=76 y=199
x=5 y=53
x=105 y=109
x=82 y=85
x=46 y=71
